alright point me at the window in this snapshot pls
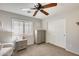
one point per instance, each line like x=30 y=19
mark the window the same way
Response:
x=28 y=28
x=21 y=28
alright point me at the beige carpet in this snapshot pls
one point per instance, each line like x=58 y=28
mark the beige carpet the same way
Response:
x=44 y=50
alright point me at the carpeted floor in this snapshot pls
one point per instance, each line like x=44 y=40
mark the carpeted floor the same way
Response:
x=44 y=50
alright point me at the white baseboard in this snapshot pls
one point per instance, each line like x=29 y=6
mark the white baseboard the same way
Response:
x=56 y=45
x=77 y=53
x=72 y=51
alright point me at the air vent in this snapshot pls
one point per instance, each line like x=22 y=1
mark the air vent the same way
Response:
x=28 y=11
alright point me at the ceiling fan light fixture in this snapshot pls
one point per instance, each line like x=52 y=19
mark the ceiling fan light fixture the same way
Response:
x=35 y=4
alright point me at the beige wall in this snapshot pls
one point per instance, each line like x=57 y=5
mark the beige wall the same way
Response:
x=72 y=33
x=72 y=29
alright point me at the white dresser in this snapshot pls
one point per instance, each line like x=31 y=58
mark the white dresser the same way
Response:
x=21 y=44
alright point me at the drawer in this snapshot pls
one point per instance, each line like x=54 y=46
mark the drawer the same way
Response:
x=21 y=45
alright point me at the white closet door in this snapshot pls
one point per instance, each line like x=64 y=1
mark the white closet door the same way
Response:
x=56 y=33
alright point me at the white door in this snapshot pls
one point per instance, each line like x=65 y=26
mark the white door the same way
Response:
x=56 y=32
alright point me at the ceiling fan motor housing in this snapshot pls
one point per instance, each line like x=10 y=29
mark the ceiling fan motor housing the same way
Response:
x=37 y=6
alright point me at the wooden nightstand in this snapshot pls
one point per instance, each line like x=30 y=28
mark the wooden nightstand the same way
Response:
x=22 y=44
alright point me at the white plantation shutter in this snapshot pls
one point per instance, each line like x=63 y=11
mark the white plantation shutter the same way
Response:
x=28 y=28
x=21 y=27
x=15 y=28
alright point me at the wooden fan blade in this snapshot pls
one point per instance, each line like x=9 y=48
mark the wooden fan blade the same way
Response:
x=35 y=12
x=44 y=12
x=49 y=5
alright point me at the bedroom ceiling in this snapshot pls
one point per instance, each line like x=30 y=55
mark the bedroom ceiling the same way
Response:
x=24 y=8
